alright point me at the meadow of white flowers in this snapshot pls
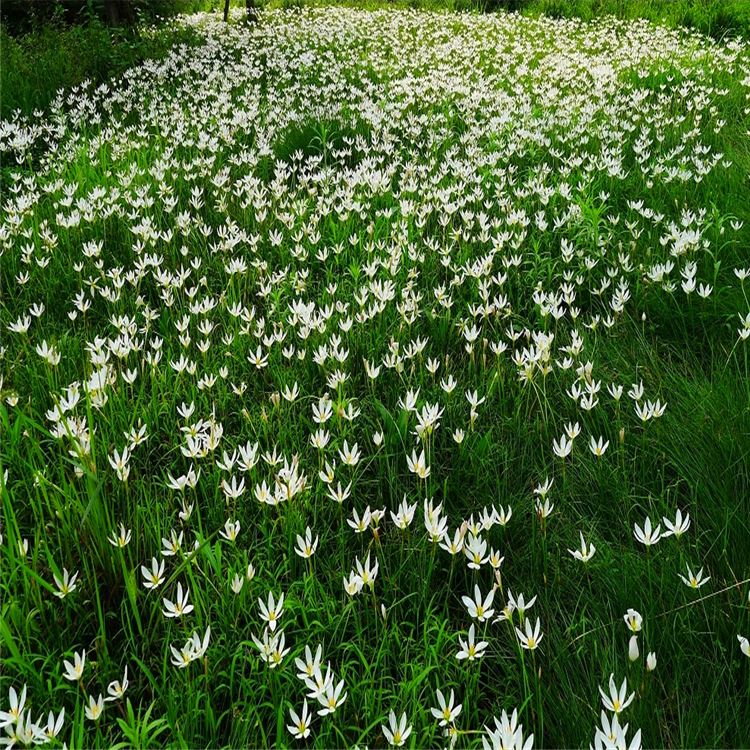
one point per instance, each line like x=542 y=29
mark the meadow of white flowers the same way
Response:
x=334 y=408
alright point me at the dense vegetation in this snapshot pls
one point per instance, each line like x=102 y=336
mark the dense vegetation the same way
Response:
x=377 y=377
x=717 y=18
x=53 y=44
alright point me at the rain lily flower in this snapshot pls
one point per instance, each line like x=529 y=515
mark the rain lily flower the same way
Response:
x=585 y=552
x=300 y=726
x=272 y=610
x=95 y=707
x=448 y=711
x=677 y=527
x=480 y=608
x=633 y=620
x=694 y=580
x=66 y=584
x=397 y=732
x=529 y=638
x=647 y=535
x=180 y=606
x=470 y=648
x=74 y=671
x=617 y=700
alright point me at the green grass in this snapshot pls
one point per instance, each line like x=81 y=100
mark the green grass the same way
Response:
x=716 y=18
x=52 y=55
x=281 y=141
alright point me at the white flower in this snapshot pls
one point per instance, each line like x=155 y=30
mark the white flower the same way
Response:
x=677 y=527
x=95 y=707
x=694 y=580
x=562 y=447
x=417 y=464
x=17 y=702
x=448 y=712
x=121 y=538
x=230 y=530
x=396 y=733
x=480 y=608
x=66 y=585
x=331 y=697
x=180 y=606
x=470 y=649
x=153 y=577
x=617 y=700
x=598 y=447
x=585 y=552
x=647 y=535
x=116 y=689
x=272 y=610
x=633 y=620
x=306 y=545
x=74 y=671
x=530 y=638
x=300 y=726
x=633 y=651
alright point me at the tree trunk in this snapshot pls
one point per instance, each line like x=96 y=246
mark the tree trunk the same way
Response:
x=226 y=11
x=251 y=10
x=119 y=12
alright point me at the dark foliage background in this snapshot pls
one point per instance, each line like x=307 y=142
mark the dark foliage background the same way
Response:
x=19 y=16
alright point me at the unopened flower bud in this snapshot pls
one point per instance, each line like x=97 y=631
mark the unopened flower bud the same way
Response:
x=633 y=652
